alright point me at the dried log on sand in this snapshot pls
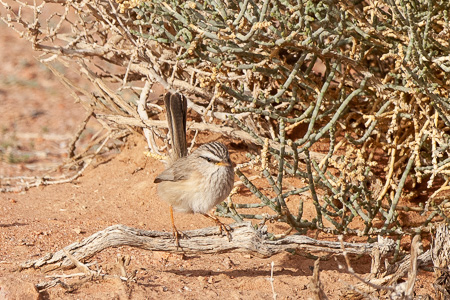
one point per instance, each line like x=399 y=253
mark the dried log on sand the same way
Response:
x=207 y=240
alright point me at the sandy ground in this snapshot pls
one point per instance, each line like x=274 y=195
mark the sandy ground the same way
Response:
x=38 y=119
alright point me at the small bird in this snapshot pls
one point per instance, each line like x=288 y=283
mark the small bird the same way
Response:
x=197 y=182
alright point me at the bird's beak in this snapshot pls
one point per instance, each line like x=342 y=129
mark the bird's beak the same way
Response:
x=223 y=164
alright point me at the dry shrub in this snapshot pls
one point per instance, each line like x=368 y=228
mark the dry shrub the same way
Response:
x=351 y=97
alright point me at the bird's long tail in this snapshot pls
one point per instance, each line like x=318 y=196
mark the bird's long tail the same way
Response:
x=176 y=110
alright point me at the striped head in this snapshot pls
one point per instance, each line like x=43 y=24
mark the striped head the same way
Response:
x=214 y=153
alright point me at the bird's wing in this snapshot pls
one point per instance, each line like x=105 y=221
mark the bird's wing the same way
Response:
x=176 y=172
x=166 y=175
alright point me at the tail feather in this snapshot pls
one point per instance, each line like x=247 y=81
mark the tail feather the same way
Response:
x=176 y=111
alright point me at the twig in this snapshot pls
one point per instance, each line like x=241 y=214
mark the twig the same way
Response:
x=123 y=261
x=412 y=274
x=49 y=284
x=401 y=268
x=274 y=295
x=79 y=265
x=47 y=180
x=353 y=273
x=148 y=133
x=77 y=135
x=65 y=275
x=315 y=285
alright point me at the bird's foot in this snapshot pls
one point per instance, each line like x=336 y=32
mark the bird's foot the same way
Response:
x=226 y=228
x=177 y=235
x=222 y=227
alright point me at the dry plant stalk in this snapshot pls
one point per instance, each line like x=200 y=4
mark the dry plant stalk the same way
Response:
x=315 y=285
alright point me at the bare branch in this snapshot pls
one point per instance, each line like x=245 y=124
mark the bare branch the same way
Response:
x=208 y=240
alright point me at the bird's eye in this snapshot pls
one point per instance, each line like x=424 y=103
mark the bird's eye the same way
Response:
x=206 y=158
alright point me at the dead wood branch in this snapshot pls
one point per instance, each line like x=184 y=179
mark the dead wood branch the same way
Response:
x=440 y=254
x=404 y=266
x=388 y=280
x=207 y=240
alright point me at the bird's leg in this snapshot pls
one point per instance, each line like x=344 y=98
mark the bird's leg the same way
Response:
x=176 y=234
x=222 y=227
